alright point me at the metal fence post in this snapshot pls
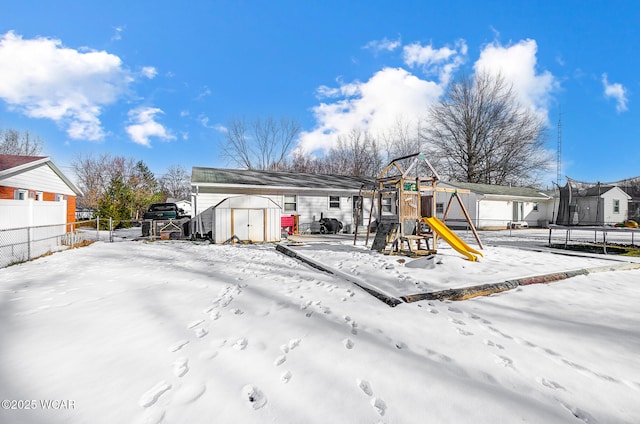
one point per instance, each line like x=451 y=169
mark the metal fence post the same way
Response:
x=97 y=228
x=110 y=230
x=29 y=243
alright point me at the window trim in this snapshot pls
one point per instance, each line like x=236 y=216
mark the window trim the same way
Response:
x=386 y=204
x=439 y=208
x=616 y=205
x=335 y=202
x=287 y=202
x=20 y=194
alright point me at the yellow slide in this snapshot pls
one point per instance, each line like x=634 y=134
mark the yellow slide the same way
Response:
x=452 y=238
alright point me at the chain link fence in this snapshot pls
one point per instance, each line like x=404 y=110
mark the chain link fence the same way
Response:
x=23 y=244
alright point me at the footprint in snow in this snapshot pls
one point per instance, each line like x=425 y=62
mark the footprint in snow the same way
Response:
x=348 y=343
x=194 y=324
x=200 y=332
x=492 y=344
x=214 y=315
x=550 y=384
x=365 y=387
x=286 y=376
x=236 y=311
x=151 y=396
x=457 y=321
x=253 y=396
x=379 y=405
x=280 y=360
x=178 y=345
x=180 y=366
x=504 y=361
x=463 y=332
x=294 y=343
x=241 y=344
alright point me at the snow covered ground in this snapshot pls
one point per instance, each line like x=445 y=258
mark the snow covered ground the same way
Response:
x=182 y=332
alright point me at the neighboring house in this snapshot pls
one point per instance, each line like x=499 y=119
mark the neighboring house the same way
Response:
x=495 y=207
x=599 y=204
x=185 y=205
x=83 y=212
x=33 y=191
x=310 y=196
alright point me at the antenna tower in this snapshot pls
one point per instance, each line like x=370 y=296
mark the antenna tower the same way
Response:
x=559 y=151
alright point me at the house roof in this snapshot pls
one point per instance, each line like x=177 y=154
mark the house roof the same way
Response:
x=248 y=177
x=14 y=164
x=498 y=190
x=14 y=161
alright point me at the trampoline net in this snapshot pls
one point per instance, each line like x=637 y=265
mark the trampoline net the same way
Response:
x=580 y=202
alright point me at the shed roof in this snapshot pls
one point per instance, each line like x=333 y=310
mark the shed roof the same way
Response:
x=250 y=177
x=498 y=190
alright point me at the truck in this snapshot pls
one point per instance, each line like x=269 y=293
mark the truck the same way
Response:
x=159 y=215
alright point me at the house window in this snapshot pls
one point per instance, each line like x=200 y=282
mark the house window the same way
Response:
x=290 y=202
x=38 y=196
x=439 y=208
x=386 y=204
x=535 y=207
x=20 y=194
x=334 y=202
x=59 y=197
x=616 y=206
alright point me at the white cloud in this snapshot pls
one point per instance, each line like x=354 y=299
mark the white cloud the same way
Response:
x=615 y=91
x=442 y=62
x=41 y=78
x=149 y=72
x=374 y=106
x=383 y=45
x=517 y=64
x=206 y=91
x=389 y=95
x=143 y=126
x=117 y=36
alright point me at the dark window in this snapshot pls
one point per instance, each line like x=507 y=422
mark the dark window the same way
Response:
x=290 y=202
x=334 y=202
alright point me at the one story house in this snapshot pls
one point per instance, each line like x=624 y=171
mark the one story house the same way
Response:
x=495 y=207
x=309 y=196
x=598 y=204
x=33 y=191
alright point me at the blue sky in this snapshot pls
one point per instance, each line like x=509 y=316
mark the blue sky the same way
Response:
x=159 y=80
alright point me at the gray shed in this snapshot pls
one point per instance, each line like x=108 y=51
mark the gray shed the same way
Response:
x=247 y=218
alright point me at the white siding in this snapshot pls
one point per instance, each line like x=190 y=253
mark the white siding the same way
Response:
x=41 y=178
x=309 y=206
x=610 y=217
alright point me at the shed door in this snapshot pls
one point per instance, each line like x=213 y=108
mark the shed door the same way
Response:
x=248 y=224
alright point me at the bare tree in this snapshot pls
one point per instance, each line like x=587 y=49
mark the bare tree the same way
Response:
x=402 y=139
x=480 y=133
x=176 y=183
x=14 y=143
x=357 y=153
x=260 y=144
x=96 y=176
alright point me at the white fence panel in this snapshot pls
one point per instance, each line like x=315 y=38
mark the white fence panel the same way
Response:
x=31 y=213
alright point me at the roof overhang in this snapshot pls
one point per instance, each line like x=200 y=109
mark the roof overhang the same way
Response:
x=7 y=173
